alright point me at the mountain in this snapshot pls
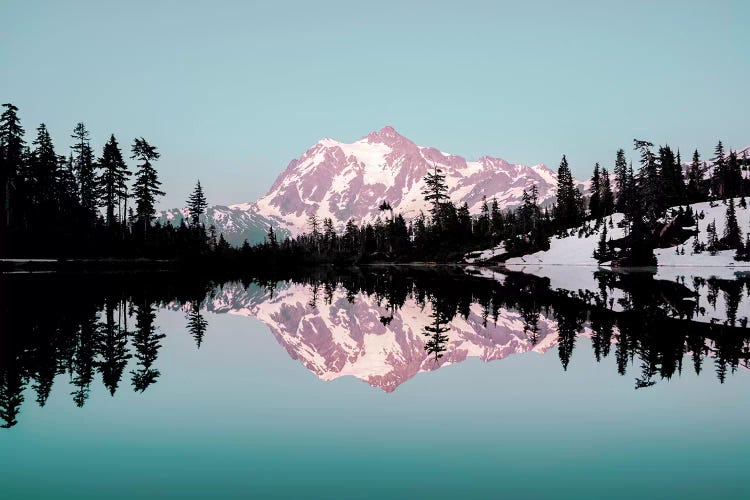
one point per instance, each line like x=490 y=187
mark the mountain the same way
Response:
x=237 y=225
x=350 y=180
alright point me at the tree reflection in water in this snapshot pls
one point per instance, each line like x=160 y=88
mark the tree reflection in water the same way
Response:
x=99 y=325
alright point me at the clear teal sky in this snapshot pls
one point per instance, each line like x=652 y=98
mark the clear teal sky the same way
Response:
x=231 y=91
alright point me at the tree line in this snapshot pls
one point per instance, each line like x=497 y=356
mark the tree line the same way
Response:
x=84 y=205
x=447 y=231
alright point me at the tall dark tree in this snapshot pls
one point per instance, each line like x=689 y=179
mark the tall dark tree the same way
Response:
x=85 y=170
x=621 y=180
x=146 y=186
x=607 y=197
x=596 y=190
x=11 y=157
x=197 y=204
x=695 y=191
x=435 y=192
x=719 y=174
x=113 y=187
x=44 y=171
x=732 y=234
x=649 y=181
x=567 y=197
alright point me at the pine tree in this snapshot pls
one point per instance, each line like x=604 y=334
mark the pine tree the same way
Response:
x=271 y=238
x=596 y=191
x=44 y=170
x=146 y=185
x=113 y=187
x=695 y=180
x=567 y=196
x=435 y=192
x=607 y=198
x=733 y=175
x=11 y=157
x=732 y=235
x=85 y=169
x=649 y=181
x=496 y=219
x=197 y=204
x=718 y=176
x=712 y=245
x=621 y=180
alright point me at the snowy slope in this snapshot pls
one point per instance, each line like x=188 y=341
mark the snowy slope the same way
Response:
x=572 y=250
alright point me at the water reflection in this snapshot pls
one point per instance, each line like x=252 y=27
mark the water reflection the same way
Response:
x=382 y=326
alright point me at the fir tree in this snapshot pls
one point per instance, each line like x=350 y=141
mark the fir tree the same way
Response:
x=695 y=180
x=11 y=156
x=146 y=186
x=712 y=245
x=435 y=192
x=271 y=238
x=112 y=180
x=567 y=197
x=718 y=176
x=621 y=180
x=85 y=169
x=596 y=191
x=649 y=181
x=607 y=198
x=45 y=164
x=197 y=204
x=732 y=235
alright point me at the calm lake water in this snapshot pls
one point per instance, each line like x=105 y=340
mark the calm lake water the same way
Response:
x=399 y=383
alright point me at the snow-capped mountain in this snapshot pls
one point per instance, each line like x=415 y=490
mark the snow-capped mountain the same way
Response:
x=335 y=338
x=350 y=180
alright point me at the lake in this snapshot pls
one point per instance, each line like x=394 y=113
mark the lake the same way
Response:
x=398 y=382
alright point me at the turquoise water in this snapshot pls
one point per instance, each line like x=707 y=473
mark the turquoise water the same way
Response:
x=240 y=418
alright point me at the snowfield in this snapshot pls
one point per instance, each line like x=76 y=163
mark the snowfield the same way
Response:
x=573 y=250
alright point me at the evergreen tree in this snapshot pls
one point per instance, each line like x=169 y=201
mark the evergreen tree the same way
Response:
x=44 y=170
x=712 y=245
x=496 y=219
x=567 y=196
x=695 y=190
x=85 y=169
x=718 y=176
x=271 y=238
x=596 y=191
x=113 y=187
x=435 y=192
x=733 y=179
x=607 y=198
x=11 y=157
x=197 y=204
x=621 y=180
x=732 y=235
x=649 y=181
x=146 y=185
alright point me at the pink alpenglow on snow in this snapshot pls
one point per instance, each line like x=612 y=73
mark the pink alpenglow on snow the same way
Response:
x=346 y=181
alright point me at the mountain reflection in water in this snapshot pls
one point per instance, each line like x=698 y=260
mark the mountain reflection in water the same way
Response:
x=382 y=326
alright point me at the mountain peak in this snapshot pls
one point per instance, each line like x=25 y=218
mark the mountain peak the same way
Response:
x=386 y=135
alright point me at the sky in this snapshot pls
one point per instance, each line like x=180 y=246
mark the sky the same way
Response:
x=230 y=92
